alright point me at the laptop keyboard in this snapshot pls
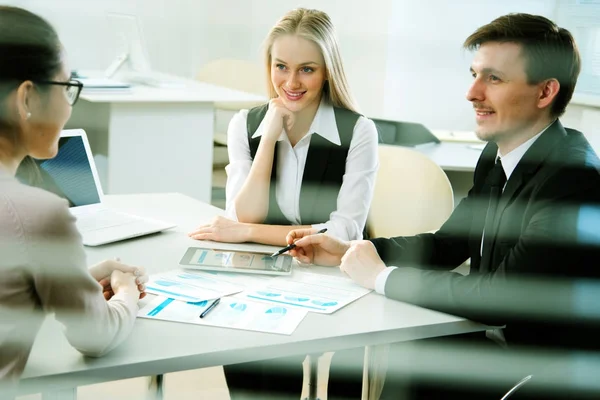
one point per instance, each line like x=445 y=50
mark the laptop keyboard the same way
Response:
x=102 y=219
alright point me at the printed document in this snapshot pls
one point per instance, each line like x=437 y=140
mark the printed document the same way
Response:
x=308 y=291
x=231 y=312
x=195 y=286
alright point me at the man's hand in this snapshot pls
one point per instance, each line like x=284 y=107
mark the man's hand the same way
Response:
x=312 y=248
x=103 y=271
x=222 y=229
x=362 y=263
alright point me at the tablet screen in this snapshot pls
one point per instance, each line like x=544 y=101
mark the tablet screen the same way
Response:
x=236 y=260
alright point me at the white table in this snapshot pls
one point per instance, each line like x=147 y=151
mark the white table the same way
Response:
x=156 y=139
x=452 y=156
x=158 y=347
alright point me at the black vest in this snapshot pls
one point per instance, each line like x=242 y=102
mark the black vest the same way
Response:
x=323 y=173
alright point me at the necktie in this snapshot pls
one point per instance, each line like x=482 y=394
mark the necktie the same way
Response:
x=496 y=179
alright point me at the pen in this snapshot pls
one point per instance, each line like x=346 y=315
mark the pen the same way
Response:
x=291 y=246
x=212 y=305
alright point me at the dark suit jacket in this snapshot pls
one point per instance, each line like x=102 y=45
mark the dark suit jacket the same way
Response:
x=547 y=237
x=323 y=172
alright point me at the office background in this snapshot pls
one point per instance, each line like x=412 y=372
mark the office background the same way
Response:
x=403 y=58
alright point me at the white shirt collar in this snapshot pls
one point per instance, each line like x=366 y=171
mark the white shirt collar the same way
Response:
x=323 y=124
x=512 y=159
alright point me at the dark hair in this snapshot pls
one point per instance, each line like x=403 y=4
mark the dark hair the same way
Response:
x=29 y=50
x=549 y=51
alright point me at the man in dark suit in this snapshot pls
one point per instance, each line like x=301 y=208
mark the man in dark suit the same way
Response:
x=531 y=222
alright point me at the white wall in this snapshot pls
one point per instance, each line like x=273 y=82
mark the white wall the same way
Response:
x=89 y=37
x=403 y=58
x=237 y=29
x=182 y=35
x=427 y=69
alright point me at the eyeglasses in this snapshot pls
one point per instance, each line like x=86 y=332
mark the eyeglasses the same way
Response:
x=72 y=90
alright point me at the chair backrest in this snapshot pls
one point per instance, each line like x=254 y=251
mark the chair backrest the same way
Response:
x=243 y=75
x=412 y=194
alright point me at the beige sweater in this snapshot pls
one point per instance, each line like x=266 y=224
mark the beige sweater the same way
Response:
x=43 y=270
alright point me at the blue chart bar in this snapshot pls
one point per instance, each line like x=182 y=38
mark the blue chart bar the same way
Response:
x=202 y=256
x=198 y=303
x=160 y=307
x=171 y=293
x=286 y=302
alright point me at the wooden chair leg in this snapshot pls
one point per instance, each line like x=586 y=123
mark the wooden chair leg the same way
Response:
x=374 y=371
x=316 y=375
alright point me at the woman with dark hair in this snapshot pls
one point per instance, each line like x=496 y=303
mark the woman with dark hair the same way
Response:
x=42 y=261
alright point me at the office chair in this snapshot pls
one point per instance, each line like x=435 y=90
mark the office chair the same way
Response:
x=235 y=74
x=242 y=75
x=412 y=194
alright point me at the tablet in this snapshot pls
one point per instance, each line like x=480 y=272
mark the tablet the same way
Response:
x=236 y=261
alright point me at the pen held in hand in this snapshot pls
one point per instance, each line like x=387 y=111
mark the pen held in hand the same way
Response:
x=293 y=245
x=212 y=305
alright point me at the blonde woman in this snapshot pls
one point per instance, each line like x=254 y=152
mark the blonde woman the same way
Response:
x=307 y=158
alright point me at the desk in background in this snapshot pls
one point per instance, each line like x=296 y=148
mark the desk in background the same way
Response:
x=158 y=347
x=456 y=152
x=453 y=151
x=157 y=139
x=452 y=156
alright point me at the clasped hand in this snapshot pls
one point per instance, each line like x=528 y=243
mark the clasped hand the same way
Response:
x=113 y=276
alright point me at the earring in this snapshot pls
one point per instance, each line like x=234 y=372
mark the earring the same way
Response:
x=28 y=115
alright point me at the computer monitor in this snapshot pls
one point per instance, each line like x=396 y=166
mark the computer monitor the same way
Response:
x=132 y=55
x=131 y=49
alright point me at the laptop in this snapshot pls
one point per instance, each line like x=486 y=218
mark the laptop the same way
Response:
x=72 y=175
x=403 y=133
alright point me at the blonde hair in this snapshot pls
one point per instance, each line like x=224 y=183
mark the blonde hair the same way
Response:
x=314 y=25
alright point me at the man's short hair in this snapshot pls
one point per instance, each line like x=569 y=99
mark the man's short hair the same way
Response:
x=549 y=51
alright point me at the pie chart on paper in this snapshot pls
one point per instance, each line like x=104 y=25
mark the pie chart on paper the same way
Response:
x=276 y=312
x=325 y=303
x=239 y=307
x=269 y=294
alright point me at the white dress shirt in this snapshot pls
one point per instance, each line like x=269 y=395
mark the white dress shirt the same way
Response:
x=354 y=199
x=509 y=163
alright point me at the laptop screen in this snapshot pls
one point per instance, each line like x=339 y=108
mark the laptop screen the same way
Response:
x=68 y=175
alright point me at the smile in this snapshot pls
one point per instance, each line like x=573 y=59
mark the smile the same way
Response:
x=483 y=114
x=294 y=96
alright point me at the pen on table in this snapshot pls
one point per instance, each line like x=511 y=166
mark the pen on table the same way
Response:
x=212 y=305
x=291 y=246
